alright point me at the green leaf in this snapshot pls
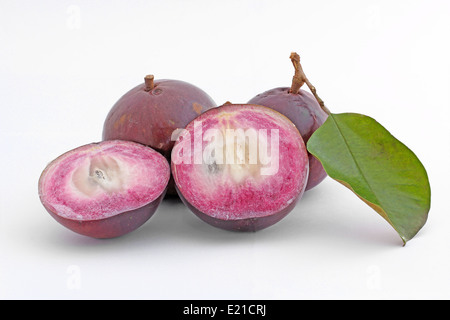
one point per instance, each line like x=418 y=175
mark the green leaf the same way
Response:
x=361 y=154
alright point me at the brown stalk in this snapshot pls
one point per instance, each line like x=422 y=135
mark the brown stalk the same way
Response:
x=149 y=84
x=300 y=78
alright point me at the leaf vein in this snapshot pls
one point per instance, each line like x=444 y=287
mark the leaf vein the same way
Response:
x=358 y=166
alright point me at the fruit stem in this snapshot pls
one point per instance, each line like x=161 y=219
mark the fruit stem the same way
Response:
x=300 y=78
x=149 y=85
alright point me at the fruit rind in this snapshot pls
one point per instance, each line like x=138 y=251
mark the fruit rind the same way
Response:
x=104 y=212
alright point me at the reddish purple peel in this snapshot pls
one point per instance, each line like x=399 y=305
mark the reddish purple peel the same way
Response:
x=249 y=224
x=103 y=189
x=150 y=112
x=239 y=196
x=150 y=117
x=114 y=226
x=307 y=115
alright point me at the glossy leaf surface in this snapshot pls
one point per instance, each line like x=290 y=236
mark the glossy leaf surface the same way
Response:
x=361 y=154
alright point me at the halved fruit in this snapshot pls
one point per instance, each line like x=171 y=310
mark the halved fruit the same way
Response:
x=240 y=167
x=104 y=190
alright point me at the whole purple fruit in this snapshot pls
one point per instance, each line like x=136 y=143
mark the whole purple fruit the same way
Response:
x=303 y=109
x=151 y=112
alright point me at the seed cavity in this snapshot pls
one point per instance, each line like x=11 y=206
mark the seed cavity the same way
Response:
x=232 y=154
x=213 y=168
x=101 y=174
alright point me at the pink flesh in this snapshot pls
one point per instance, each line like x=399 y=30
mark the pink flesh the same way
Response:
x=218 y=195
x=144 y=177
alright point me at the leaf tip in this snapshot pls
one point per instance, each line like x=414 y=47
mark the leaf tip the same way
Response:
x=404 y=241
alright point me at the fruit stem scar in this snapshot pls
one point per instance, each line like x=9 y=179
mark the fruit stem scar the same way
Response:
x=300 y=78
x=149 y=84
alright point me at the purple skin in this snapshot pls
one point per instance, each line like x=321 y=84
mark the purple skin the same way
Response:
x=245 y=225
x=112 y=227
x=307 y=115
x=150 y=112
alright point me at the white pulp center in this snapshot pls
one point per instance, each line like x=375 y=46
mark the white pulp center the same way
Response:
x=235 y=155
x=99 y=175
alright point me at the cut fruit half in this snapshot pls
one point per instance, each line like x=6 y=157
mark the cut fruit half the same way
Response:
x=104 y=190
x=240 y=167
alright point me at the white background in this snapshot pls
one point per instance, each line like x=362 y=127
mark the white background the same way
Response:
x=63 y=64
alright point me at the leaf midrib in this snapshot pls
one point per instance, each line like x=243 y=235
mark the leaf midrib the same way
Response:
x=359 y=168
